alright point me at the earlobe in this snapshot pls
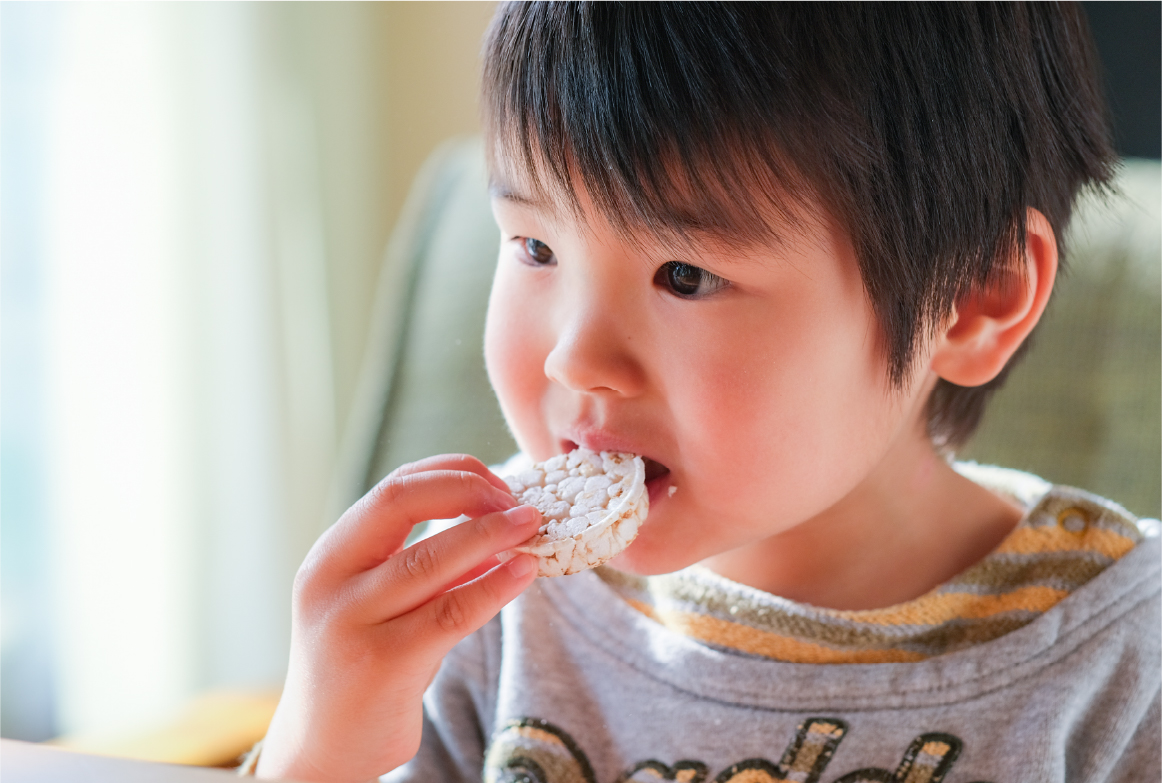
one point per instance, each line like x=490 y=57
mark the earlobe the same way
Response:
x=990 y=324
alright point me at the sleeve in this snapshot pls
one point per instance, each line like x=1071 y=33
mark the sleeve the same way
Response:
x=1142 y=759
x=458 y=710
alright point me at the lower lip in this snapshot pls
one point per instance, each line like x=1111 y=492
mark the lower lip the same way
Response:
x=659 y=488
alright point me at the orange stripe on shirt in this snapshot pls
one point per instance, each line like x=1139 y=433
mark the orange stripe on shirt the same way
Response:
x=771 y=645
x=1050 y=538
x=936 y=608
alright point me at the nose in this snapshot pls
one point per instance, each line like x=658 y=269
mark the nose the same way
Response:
x=595 y=352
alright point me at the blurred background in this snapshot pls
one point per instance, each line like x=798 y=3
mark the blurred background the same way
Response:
x=195 y=201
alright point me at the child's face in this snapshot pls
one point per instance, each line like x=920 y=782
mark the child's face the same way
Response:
x=755 y=375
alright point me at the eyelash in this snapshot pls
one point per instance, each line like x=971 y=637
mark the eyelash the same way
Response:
x=530 y=259
x=665 y=277
x=667 y=272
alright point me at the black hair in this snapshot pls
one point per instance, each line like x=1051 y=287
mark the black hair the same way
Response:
x=925 y=129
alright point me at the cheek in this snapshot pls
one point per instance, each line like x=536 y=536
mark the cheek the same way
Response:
x=515 y=359
x=784 y=413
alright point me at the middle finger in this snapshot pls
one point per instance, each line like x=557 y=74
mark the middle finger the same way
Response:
x=414 y=576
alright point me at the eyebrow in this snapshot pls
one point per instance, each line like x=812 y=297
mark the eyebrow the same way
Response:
x=498 y=189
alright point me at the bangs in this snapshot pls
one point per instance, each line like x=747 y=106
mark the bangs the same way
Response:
x=610 y=99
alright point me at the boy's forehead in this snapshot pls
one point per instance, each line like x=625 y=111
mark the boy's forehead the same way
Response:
x=556 y=203
x=733 y=194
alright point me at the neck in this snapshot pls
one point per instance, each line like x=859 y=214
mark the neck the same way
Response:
x=911 y=525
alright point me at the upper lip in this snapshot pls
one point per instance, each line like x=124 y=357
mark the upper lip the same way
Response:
x=597 y=439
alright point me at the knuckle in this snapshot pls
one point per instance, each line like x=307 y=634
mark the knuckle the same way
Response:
x=311 y=599
x=301 y=589
x=451 y=615
x=385 y=494
x=387 y=491
x=420 y=562
x=304 y=600
x=466 y=481
x=405 y=469
x=490 y=592
x=481 y=528
x=307 y=585
x=471 y=463
x=475 y=486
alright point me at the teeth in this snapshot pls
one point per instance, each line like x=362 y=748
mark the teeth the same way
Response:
x=592 y=503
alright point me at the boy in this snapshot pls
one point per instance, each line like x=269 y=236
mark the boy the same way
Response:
x=784 y=253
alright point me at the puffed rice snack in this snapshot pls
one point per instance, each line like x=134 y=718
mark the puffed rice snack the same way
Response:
x=592 y=504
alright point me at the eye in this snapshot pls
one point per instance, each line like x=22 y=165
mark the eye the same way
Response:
x=688 y=281
x=536 y=252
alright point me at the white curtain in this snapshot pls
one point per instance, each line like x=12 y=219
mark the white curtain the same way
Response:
x=198 y=193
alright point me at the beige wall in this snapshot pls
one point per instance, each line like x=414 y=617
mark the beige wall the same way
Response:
x=432 y=80
x=388 y=83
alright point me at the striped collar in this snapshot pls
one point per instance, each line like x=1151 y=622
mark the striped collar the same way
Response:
x=1066 y=538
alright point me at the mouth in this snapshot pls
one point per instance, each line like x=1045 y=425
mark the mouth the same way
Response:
x=657 y=481
x=654 y=470
x=657 y=475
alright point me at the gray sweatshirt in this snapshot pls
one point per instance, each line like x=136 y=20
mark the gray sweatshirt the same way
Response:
x=573 y=684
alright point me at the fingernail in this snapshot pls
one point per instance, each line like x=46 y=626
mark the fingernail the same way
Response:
x=520 y=565
x=522 y=515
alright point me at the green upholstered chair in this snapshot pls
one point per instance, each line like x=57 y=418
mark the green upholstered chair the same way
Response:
x=1084 y=409
x=1085 y=406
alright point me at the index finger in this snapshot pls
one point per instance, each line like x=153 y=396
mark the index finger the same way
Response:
x=453 y=462
x=378 y=524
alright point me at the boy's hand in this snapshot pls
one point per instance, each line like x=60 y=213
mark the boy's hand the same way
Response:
x=372 y=620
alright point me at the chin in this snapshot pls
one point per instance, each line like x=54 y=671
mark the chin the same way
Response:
x=649 y=556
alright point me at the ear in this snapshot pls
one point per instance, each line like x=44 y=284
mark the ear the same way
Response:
x=989 y=325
